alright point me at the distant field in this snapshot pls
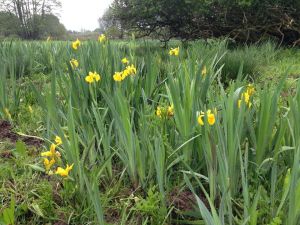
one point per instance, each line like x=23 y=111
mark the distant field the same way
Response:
x=128 y=132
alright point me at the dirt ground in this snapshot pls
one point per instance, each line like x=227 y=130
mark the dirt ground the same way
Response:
x=7 y=134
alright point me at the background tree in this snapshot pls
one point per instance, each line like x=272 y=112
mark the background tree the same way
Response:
x=31 y=14
x=9 y=24
x=110 y=24
x=50 y=26
x=242 y=20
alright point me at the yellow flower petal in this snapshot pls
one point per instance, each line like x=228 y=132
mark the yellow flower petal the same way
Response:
x=64 y=172
x=170 y=111
x=102 y=38
x=58 y=140
x=125 y=61
x=200 y=120
x=211 y=119
x=89 y=79
x=74 y=63
x=118 y=76
x=174 y=51
x=48 y=164
x=158 y=111
x=76 y=44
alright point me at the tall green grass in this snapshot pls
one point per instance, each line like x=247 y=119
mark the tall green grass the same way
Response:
x=241 y=170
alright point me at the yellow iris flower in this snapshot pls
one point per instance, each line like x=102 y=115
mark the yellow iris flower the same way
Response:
x=58 y=140
x=51 y=153
x=92 y=77
x=118 y=76
x=174 y=51
x=200 y=120
x=165 y=112
x=48 y=164
x=74 y=63
x=76 y=44
x=210 y=116
x=245 y=97
x=131 y=70
x=159 y=111
x=250 y=89
x=102 y=38
x=125 y=61
x=125 y=73
x=64 y=172
x=170 y=111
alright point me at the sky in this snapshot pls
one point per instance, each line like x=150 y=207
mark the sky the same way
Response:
x=82 y=14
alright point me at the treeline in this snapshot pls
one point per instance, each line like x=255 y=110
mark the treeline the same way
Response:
x=244 y=21
x=30 y=19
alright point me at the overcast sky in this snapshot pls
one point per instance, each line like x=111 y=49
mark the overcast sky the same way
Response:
x=82 y=14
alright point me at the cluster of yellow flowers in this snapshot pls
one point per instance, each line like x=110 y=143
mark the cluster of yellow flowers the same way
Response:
x=52 y=156
x=245 y=97
x=129 y=70
x=174 y=51
x=92 y=77
x=165 y=112
x=210 y=116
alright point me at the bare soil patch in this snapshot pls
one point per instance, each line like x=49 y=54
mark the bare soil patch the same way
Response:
x=7 y=133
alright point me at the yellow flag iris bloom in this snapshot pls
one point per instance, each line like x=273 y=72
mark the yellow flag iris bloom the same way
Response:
x=125 y=61
x=102 y=38
x=74 y=63
x=92 y=77
x=165 y=112
x=158 y=111
x=245 y=97
x=52 y=152
x=48 y=164
x=210 y=116
x=58 y=140
x=118 y=76
x=64 y=172
x=170 y=111
x=250 y=89
x=200 y=118
x=174 y=51
x=131 y=70
x=76 y=44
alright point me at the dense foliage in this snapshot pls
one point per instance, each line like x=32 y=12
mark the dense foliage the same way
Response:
x=243 y=20
x=30 y=19
x=154 y=138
